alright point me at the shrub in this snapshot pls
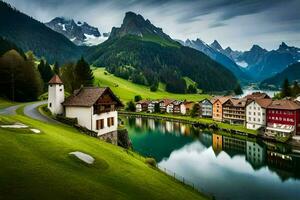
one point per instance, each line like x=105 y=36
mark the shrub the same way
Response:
x=66 y=120
x=130 y=106
x=137 y=98
x=151 y=162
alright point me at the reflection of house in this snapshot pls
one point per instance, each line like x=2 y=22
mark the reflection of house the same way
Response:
x=256 y=113
x=283 y=118
x=142 y=106
x=217 y=107
x=163 y=104
x=138 y=122
x=206 y=139
x=169 y=126
x=234 y=146
x=217 y=143
x=234 y=110
x=206 y=108
x=151 y=124
x=255 y=154
x=94 y=108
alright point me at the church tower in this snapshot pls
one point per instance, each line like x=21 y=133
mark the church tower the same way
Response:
x=56 y=95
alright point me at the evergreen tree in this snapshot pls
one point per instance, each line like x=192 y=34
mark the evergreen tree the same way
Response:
x=56 y=69
x=286 y=90
x=194 y=110
x=156 y=108
x=45 y=72
x=295 y=89
x=83 y=74
x=238 y=90
x=68 y=76
x=130 y=106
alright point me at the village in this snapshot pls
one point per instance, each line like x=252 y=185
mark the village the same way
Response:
x=256 y=111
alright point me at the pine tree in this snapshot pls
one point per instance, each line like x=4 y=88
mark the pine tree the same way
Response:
x=45 y=71
x=83 y=73
x=238 y=90
x=286 y=90
x=56 y=69
x=295 y=89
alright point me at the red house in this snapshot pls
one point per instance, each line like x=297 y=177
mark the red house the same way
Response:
x=283 y=118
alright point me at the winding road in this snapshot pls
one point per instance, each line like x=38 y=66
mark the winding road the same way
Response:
x=30 y=110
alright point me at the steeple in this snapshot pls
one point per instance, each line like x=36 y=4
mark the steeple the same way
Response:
x=56 y=95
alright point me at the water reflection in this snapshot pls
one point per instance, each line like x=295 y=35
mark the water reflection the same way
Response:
x=229 y=168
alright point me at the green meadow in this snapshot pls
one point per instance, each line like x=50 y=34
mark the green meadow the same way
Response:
x=126 y=90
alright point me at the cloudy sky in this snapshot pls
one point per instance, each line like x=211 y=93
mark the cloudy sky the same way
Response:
x=235 y=23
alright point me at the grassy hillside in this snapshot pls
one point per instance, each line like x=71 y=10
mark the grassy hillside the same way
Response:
x=126 y=90
x=38 y=166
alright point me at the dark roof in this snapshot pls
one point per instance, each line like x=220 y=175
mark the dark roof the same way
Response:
x=284 y=105
x=257 y=95
x=55 y=80
x=88 y=96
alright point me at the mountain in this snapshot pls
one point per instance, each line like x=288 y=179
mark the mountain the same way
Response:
x=262 y=64
x=143 y=53
x=216 y=52
x=78 y=32
x=292 y=73
x=6 y=46
x=30 y=34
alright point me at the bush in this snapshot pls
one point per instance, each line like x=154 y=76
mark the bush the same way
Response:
x=130 y=106
x=66 y=120
x=151 y=162
x=137 y=98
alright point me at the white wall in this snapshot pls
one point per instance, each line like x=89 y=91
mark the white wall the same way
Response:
x=56 y=97
x=255 y=116
x=105 y=116
x=170 y=108
x=183 y=109
x=83 y=115
x=138 y=107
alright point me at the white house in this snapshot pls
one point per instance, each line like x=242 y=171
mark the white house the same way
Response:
x=151 y=106
x=256 y=113
x=56 y=95
x=186 y=107
x=94 y=108
x=298 y=98
x=164 y=103
x=142 y=106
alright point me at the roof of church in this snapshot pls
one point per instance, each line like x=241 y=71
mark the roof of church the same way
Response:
x=55 y=80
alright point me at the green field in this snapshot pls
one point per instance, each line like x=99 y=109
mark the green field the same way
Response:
x=38 y=166
x=126 y=90
x=5 y=103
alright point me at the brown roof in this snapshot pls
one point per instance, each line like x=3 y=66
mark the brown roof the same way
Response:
x=285 y=105
x=264 y=103
x=257 y=95
x=167 y=101
x=144 y=101
x=87 y=96
x=222 y=99
x=237 y=102
x=55 y=80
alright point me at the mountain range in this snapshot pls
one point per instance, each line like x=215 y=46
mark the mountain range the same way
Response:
x=80 y=33
x=140 y=48
x=255 y=65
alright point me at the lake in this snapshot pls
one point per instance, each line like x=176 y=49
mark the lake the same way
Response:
x=223 y=166
x=249 y=90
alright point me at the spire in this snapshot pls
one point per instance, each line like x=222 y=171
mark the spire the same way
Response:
x=55 y=80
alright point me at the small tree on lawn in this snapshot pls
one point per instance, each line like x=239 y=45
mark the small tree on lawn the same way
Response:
x=286 y=90
x=130 y=106
x=194 y=110
x=156 y=108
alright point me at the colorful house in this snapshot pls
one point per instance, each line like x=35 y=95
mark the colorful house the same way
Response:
x=151 y=106
x=163 y=104
x=142 y=106
x=186 y=107
x=217 y=107
x=283 y=118
x=256 y=113
x=234 y=111
x=206 y=108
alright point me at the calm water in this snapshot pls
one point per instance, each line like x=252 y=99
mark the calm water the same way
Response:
x=223 y=166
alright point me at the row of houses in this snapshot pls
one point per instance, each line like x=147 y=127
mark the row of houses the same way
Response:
x=254 y=111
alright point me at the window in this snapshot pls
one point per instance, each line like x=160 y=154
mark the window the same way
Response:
x=50 y=105
x=99 y=124
x=110 y=121
x=60 y=89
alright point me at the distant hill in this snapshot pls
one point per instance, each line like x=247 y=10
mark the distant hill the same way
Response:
x=80 y=33
x=6 y=46
x=29 y=34
x=292 y=73
x=139 y=49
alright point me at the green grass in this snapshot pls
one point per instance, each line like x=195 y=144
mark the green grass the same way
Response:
x=159 y=40
x=126 y=90
x=38 y=166
x=5 y=103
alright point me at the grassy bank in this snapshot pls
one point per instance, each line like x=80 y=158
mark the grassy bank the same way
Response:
x=206 y=121
x=38 y=166
x=126 y=90
x=5 y=103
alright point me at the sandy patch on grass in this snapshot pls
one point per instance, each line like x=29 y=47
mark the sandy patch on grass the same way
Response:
x=83 y=156
x=16 y=125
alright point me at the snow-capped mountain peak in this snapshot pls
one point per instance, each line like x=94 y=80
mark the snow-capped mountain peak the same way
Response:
x=80 y=33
